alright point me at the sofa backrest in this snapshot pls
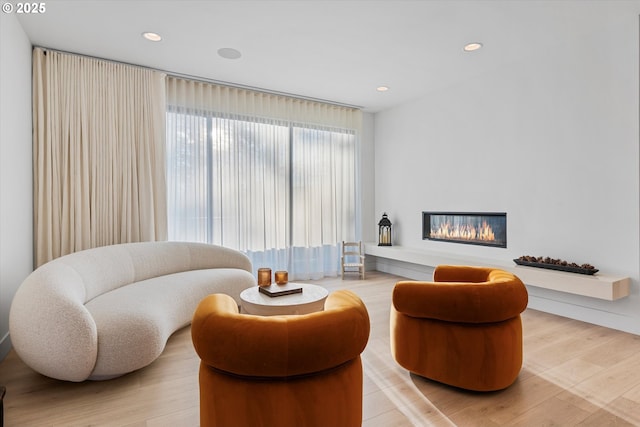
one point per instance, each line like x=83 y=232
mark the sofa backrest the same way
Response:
x=93 y=272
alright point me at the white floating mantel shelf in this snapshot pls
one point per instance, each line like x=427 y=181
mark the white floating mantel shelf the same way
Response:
x=595 y=286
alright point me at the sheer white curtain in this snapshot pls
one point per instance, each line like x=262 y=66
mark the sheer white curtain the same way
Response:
x=272 y=176
x=98 y=154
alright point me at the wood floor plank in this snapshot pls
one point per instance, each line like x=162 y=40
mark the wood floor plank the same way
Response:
x=574 y=374
x=620 y=413
x=552 y=412
x=633 y=394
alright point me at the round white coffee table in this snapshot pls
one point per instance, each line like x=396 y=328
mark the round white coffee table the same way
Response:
x=311 y=299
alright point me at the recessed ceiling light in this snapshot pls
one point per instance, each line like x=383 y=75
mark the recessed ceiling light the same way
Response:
x=382 y=88
x=229 y=53
x=154 y=37
x=470 y=47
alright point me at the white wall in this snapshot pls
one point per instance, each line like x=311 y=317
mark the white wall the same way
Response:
x=16 y=255
x=552 y=140
x=367 y=179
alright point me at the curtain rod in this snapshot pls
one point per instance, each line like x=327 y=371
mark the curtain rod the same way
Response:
x=207 y=80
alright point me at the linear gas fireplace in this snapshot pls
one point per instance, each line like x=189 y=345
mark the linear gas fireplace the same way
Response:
x=474 y=228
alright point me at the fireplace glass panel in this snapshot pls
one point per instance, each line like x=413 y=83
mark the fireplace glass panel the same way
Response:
x=484 y=228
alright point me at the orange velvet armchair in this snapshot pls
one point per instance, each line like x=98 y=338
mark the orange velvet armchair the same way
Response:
x=281 y=370
x=462 y=329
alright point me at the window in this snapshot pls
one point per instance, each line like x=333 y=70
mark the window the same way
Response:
x=283 y=193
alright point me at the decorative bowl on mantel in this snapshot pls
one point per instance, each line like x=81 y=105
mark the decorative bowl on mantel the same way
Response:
x=555 y=264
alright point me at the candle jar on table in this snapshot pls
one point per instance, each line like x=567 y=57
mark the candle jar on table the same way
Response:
x=282 y=277
x=264 y=277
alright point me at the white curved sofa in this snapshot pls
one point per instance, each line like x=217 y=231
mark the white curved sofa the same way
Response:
x=101 y=313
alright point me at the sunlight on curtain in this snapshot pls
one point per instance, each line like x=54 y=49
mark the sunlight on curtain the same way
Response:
x=272 y=176
x=324 y=198
x=98 y=154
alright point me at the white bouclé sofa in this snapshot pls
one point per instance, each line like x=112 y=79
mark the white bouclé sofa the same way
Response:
x=101 y=313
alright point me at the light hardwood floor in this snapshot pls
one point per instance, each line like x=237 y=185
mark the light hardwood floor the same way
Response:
x=574 y=374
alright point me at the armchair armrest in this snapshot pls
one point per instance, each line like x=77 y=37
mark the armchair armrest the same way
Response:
x=483 y=302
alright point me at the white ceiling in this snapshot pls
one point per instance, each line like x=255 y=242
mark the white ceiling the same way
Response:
x=333 y=50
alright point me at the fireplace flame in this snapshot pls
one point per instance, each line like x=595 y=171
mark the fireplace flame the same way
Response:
x=482 y=233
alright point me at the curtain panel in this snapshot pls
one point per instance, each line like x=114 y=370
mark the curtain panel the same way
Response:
x=98 y=154
x=269 y=175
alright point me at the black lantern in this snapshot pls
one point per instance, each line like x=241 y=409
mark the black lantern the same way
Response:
x=384 y=231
